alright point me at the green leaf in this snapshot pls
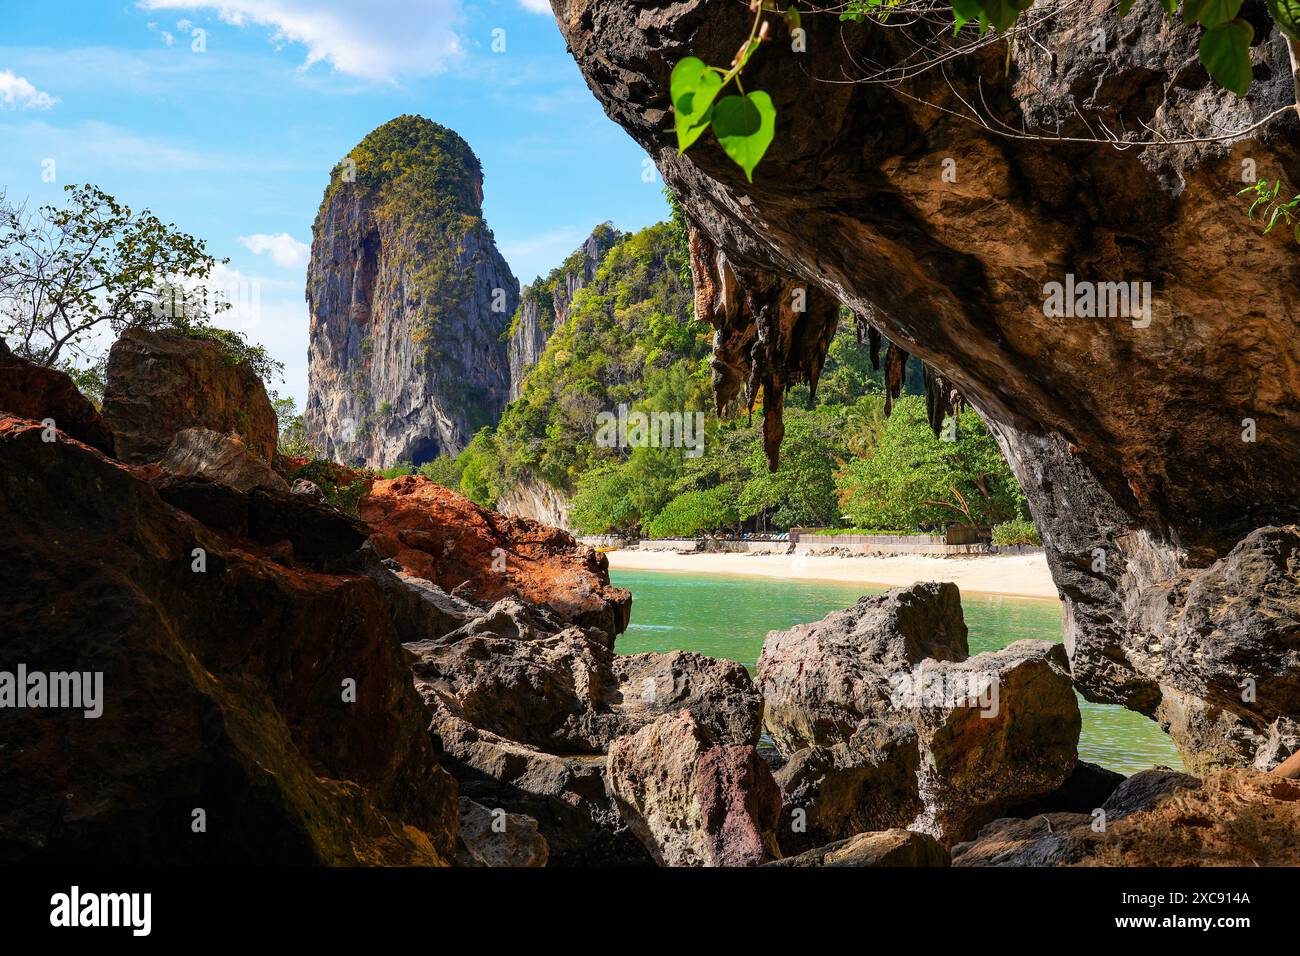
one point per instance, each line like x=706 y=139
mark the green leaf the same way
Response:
x=694 y=87
x=1124 y=7
x=745 y=126
x=792 y=18
x=1170 y=6
x=1225 y=51
x=1004 y=13
x=1210 y=13
x=1287 y=15
x=964 y=11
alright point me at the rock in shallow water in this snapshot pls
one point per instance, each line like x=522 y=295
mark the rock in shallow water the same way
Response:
x=882 y=712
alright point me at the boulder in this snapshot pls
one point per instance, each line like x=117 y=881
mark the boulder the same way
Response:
x=445 y=538
x=895 y=847
x=1234 y=818
x=421 y=610
x=512 y=618
x=161 y=383
x=720 y=694
x=866 y=784
x=302 y=530
x=201 y=451
x=275 y=701
x=28 y=390
x=894 y=712
x=493 y=837
x=308 y=489
x=1144 y=790
x=564 y=793
x=692 y=801
x=1050 y=839
x=546 y=693
x=819 y=679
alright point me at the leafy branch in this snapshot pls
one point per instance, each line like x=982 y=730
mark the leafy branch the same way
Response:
x=1274 y=211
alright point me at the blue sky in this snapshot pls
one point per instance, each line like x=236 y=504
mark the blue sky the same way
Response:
x=234 y=142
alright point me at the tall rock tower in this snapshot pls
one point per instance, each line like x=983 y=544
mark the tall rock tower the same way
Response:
x=409 y=301
x=545 y=303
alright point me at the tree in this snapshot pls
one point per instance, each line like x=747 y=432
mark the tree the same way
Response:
x=68 y=273
x=911 y=480
x=293 y=441
x=444 y=470
x=481 y=478
x=802 y=491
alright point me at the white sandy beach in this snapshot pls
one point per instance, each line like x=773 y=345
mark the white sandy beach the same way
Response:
x=1020 y=575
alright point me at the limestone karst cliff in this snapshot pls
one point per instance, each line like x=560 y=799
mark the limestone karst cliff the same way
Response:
x=1160 y=458
x=409 y=298
x=544 y=304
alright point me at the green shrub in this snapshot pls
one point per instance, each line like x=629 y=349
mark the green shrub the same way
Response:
x=695 y=512
x=1016 y=531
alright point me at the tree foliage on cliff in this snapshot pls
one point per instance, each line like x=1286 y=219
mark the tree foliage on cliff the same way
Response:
x=426 y=185
x=629 y=339
x=910 y=479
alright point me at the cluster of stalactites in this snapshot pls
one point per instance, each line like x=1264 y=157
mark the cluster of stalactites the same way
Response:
x=772 y=331
x=941 y=397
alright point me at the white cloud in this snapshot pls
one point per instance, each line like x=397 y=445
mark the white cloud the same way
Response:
x=17 y=94
x=536 y=6
x=378 y=39
x=286 y=251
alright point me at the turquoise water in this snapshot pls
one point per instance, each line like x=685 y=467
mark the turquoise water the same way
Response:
x=724 y=616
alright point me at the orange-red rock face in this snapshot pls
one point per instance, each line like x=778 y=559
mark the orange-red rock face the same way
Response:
x=443 y=537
